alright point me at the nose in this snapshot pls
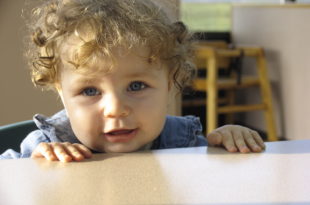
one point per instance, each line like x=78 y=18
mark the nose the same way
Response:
x=115 y=106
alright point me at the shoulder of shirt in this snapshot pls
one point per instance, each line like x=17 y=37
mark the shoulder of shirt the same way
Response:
x=57 y=127
x=179 y=131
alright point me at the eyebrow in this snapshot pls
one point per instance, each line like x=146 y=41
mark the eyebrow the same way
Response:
x=145 y=71
x=85 y=80
x=140 y=74
x=93 y=78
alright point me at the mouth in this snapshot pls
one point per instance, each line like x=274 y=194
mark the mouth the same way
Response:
x=121 y=135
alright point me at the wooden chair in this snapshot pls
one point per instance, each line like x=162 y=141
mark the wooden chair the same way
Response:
x=212 y=55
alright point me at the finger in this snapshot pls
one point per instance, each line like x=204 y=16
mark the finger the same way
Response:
x=252 y=144
x=36 y=153
x=84 y=150
x=258 y=139
x=74 y=152
x=214 y=138
x=61 y=152
x=228 y=141
x=239 y=141
x=44 y=150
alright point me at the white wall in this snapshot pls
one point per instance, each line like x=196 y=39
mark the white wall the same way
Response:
x=284 y=32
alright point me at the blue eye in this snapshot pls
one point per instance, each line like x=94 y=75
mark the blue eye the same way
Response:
x=90 y=92
x=137 y=86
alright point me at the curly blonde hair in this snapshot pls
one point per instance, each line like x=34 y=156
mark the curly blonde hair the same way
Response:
x=113 y=23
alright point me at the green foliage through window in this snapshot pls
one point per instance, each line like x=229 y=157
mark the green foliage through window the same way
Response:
x=200 y=16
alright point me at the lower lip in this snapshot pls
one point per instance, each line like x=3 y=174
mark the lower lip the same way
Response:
x=122 y=137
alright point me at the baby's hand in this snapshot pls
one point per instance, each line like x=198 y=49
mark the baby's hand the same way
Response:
x=236 y=138
x=65 y=152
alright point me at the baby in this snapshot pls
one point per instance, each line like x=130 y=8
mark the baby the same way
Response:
x=114 y=64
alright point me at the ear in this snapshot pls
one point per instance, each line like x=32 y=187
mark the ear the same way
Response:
x=171 y=85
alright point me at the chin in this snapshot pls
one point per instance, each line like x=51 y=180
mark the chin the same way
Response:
x=121 y=149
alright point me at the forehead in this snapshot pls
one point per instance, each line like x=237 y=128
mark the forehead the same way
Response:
x=127 y=59
x=127 y=68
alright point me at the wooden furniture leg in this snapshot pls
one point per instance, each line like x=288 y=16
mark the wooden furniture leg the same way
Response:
x=266 y=95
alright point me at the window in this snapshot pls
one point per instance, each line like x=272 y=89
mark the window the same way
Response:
x=215 y=15
x=201 y=16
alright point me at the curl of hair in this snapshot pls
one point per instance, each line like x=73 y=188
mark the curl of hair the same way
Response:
x=126 y=23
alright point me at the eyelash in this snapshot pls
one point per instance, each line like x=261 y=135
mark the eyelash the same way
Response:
x=141 y=84
x=96 y=92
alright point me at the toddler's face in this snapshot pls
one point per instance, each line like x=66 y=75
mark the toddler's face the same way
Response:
x=120 y=111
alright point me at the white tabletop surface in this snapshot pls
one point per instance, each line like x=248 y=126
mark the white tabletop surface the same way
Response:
x=280 y=175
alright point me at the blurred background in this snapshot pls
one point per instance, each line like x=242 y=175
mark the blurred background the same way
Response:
x=279 y=27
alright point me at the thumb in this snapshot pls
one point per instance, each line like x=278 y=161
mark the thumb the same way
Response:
x=215 y=138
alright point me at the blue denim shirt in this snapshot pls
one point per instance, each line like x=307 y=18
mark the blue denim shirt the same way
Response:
x=177 y=132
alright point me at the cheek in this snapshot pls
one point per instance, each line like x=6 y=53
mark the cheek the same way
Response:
x=82 y=122
x=157 y=104
x=153 y=111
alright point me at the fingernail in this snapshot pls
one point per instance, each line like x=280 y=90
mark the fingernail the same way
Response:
x=232 y=149
x=245 y=150
x=51 y=158
x=66 y=159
